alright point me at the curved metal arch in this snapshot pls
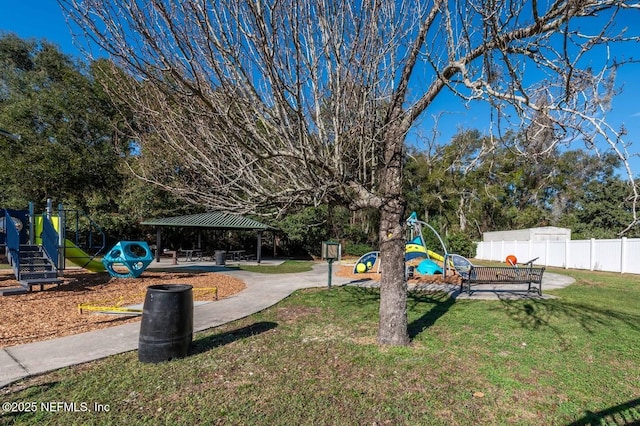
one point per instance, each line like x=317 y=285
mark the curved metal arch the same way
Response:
x=417 y=224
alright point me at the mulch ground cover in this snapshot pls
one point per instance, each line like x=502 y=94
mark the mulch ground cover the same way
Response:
x=54 y=311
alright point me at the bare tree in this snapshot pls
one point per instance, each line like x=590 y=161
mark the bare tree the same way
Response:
x=256 y=105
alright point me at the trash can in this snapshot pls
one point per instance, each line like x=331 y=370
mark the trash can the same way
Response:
x=220 y=257
x=409 y=272
x=166 y=328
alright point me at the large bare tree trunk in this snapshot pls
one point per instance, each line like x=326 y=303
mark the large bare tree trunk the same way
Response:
x=392 y=329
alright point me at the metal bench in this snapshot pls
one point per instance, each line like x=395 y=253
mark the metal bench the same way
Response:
x=528 y=275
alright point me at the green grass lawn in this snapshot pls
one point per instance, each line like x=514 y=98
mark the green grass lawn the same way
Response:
x=313 y=359
x=287 y=267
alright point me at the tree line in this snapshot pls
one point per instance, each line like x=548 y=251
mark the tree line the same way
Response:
x=75 y=149
x=67 y=150
x=71 y=150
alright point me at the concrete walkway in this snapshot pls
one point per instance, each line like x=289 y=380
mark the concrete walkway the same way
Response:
x=263 y=291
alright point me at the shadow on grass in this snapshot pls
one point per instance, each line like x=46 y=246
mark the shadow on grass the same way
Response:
x=434 y=305
x=540 y=313
x=627 y=413
x=441 y=303
x=207 y=343
x=361 y=292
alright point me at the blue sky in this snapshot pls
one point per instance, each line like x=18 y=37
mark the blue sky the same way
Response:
x=43 y=19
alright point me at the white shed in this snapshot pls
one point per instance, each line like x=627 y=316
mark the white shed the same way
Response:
x=544 y=233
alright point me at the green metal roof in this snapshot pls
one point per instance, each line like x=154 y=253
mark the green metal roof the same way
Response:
x=213 y=220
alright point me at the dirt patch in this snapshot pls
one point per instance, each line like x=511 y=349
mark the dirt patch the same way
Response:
x=296 y=313
x=346 y=271
x=53 y=312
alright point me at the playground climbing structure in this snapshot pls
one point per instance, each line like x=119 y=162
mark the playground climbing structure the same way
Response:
x=133 y=257
x=36 y=247
x=416 y=248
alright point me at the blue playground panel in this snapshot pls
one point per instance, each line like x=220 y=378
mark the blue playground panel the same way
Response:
x=367 y=261
x=125 y=253
x=20 y=221
x=428 y=267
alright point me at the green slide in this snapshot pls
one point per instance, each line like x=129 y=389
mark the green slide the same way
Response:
x=77 y=256
x=72 y=252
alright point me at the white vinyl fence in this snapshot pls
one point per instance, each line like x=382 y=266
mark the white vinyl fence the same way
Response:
x=620 y=255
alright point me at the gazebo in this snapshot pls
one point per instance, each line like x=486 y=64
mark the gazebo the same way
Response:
x=211 y=220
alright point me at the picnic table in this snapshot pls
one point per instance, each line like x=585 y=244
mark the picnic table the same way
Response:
x=236 y=255
x=190 y=253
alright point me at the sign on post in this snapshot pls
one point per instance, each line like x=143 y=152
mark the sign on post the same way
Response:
x=331 y=253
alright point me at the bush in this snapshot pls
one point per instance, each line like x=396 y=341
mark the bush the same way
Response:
x=356 y=249
x=305 y=231
x=460 y=243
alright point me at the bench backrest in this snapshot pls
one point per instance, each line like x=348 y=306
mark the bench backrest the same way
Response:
x=505 y=274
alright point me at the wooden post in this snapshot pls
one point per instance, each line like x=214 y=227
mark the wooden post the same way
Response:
x=259 y=249
x=158 y=243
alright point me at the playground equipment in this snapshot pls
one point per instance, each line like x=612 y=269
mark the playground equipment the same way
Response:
x=416 y=248
x=366 y=262
x=37 y=249
x=427 y=266
x=458 y=263
x=71 y=251
x=135 y=256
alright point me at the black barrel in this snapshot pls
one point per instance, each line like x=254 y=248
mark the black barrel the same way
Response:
x=166 y=330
